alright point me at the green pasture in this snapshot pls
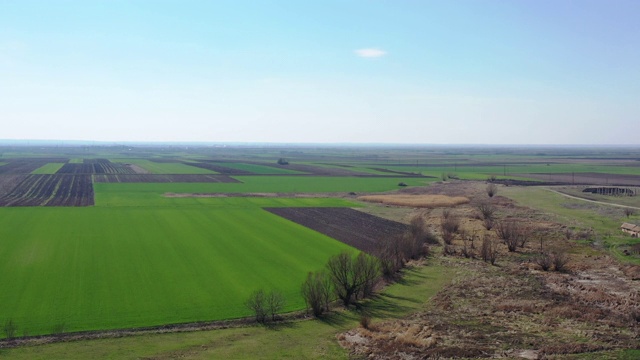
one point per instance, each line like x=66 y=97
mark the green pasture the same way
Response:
x=471 y=171
x=165 y=168
x=121 y=267
x=50 y=168
x=258 y=169
x=145 y=194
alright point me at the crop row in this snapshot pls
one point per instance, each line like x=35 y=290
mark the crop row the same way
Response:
x=51 y=190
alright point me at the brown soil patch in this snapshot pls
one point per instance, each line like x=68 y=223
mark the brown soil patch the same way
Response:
x=422 y=201
x=349 y=226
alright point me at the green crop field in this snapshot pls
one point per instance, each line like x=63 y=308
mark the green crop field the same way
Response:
x=97 y=268
x=134 y=194
x=258 y=169
x=165 y=168
x=49 y=168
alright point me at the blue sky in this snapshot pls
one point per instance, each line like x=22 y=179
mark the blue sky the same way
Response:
x=426 y=72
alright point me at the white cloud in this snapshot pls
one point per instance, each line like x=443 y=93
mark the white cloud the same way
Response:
x=370 y=53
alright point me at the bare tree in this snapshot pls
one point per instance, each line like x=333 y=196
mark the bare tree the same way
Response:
x=316 y=291
x=511 y=233
x=489 y=250
x=492 y=189
x=257 y=303
x=350 y=276
x=391 y=255
x=275 y=303
x=369 y=269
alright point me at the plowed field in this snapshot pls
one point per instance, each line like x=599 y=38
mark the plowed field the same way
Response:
x=51 y=190
x=349 y=226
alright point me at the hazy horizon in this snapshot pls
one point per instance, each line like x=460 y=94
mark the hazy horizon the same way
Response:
x=526 y=73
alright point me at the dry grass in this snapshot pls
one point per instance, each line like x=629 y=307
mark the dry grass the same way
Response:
x=421 y=201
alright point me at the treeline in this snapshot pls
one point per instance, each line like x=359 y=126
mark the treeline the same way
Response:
x=351 y=278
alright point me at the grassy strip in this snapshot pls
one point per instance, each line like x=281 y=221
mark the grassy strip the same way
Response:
x=165 y=168
x=50 y=168
x=299 y=340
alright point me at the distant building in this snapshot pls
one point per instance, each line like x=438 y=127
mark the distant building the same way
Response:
x=632 y=229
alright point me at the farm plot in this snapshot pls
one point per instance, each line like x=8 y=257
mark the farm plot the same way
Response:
x=161 y=166
x=9 y=182
x=50 y=190
x=254 y=169
x=96 y=166
x=218 y=168
x=121 y=267
x=349 y=226
x=22 y=166
x=160 y=178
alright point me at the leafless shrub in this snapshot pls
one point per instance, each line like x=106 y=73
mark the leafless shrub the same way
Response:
x=544 y=260
x=448 y=250
x=511 y=233
x=491 y=178
x=492 y=189
x=487 y=210
x=489 y=250
x=316 y=291
x=560 y=261
x=449 y=225
x=629 y=212
x=367 y=268
x=365 y=322
x=568 y=233
x=467 y=247
x=257 y=303
x=275 y=303
x=584 y=234
x=488 y=223
x=390 y=255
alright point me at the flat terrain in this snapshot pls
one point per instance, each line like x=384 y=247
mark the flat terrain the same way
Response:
x=104 y=268
x=352 y=227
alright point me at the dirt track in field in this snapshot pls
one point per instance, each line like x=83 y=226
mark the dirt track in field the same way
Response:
x=352 y=227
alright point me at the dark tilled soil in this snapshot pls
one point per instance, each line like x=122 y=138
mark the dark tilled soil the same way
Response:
x=349 y=226
x=160 y=178
x=51 y=190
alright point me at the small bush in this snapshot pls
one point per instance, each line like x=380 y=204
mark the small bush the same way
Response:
x=365 y=322
x=545 y=261
x=560 y=261
x=492 y=190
